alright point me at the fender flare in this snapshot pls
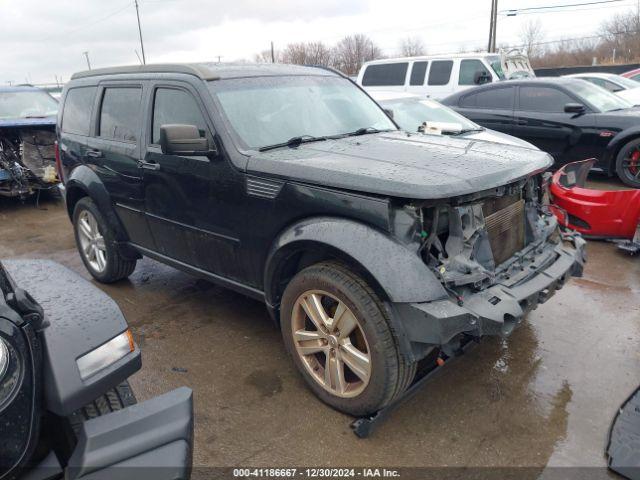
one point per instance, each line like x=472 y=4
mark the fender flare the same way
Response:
x=399 y=271
x=616 y=143
x=86 y=180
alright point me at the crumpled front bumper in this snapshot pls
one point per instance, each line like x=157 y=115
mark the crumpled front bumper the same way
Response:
x=499 y=308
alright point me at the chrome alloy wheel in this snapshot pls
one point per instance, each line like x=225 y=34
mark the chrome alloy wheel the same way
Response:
x=92 y=243
x=331 y=343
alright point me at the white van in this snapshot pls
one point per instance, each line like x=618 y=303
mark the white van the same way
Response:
x=439 y=76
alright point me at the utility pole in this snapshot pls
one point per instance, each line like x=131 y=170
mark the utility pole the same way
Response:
x=493 y=25
x=273 y=55
x=86 y=54
x=144 y=60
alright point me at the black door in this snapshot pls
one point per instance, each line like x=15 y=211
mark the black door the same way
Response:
x=542 y=121
x=115 y=153
x=187 y=197
x=492 y=108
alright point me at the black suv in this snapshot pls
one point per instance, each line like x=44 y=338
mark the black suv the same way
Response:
x=371 y=247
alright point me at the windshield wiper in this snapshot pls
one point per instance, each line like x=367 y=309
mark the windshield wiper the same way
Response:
x=361 y=131
x=469 y=130
x=293 y=142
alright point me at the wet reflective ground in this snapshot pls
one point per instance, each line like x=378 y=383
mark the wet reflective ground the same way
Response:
x=544 y=397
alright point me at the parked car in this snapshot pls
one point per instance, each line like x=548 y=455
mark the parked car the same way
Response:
x=567 y=117
x=633 y=74
x=414 y=113
x=66 y=408
x=437 y=76
x=27 y=137
x=372 y=248
x=621 y=86
x=602 y=214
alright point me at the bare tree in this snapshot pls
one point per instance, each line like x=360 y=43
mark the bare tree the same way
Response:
x=532 y=36
x=352 y=51
x=265 y=56
x=307 y=53
x=622 y=34
x=412 y=47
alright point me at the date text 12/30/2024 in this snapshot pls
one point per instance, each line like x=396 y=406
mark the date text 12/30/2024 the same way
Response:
x=315 y=473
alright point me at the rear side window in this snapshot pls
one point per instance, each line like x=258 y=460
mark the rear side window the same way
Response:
x=120 y=113
x=468 y=71
x=418 y=73
x=493 y=99
x=386 y=74
x=172 y=106
x=76 y=116
x=440 y=72
x=543 y=99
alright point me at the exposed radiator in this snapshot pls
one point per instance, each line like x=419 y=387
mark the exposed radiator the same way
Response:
x=505 y=227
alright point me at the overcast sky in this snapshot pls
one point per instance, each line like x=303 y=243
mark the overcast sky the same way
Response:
x=40 y=39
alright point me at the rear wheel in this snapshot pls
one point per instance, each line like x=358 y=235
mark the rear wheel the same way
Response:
x=628 y=164
x=96 y=243
x=340 y=337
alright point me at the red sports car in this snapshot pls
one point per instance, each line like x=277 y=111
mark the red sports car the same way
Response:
x=605 y=214
x=632 y=74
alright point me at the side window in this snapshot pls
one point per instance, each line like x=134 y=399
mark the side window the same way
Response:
x=543 y=99
x=491 y=99
x=120 y=113
x=468 y=71
x=418 y=72
x=385 y=74
x=440 y=72
x=172 y=106
x=76 y=116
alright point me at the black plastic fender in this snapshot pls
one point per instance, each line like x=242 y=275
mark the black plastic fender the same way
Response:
x=83 y=179
x=81 y=318
x=399 y=271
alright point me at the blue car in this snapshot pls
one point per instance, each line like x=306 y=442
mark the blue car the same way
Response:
x=27 y=140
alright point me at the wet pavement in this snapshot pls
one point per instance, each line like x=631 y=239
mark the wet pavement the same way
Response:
x=543 y=397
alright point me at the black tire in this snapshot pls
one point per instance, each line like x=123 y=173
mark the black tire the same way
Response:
x=113 y=400
x=116 y=267
x=622 y=170
x=391 y=372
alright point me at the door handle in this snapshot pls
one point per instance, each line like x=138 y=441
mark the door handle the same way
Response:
x=94 y=153
x=150 y=165
x=522 y=122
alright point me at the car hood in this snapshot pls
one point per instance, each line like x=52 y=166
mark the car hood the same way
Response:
x=28 y=122
x=400 y=165
x=488 y=135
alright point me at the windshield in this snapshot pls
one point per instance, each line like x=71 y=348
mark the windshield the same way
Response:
x=265 y=111
x=625 y=82
x=496 y=65
x=411 y=113
x=601 y=99
x=27 y=104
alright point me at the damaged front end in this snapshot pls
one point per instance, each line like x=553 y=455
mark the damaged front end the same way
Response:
x=27 y=159
x=498 y=253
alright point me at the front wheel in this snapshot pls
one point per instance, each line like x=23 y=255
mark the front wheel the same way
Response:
x=628 y=164
x=339 y=335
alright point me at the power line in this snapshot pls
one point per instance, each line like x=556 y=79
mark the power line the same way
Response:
x=516 y=11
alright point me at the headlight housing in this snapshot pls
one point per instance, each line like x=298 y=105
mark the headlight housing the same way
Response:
x=106 y=354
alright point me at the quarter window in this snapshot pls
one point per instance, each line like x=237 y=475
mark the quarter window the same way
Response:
x=120 y=113
x=76 y=116
x=418 y=73
x=468 y=71
x=385 y=74
x=440 y=72
x=172 y=106
x=543 y=99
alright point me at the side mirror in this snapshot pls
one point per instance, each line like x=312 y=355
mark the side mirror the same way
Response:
x=482 y=77
x=574 y=108
x=183 y=140
x=389 y=112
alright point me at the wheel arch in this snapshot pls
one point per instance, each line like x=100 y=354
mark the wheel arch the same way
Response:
x=394 y=272
x=617 y=143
